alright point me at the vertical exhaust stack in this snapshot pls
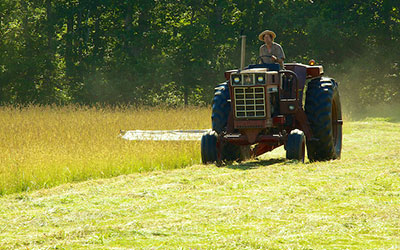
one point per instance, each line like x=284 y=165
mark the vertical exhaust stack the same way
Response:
x=243 y=52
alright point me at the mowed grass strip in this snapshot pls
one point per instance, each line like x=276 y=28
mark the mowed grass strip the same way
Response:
x=42 y=147
x=352 y=203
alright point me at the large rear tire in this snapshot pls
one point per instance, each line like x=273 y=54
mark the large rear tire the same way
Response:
x=221 y=107
x=324 y=114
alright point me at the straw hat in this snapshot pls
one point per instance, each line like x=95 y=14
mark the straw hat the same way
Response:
x=265 y=32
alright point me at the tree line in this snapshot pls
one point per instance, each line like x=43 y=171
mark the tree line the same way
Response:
x=173 y=52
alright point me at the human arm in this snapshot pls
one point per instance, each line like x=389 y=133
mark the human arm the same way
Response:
x=279 y=55
x=278 y=60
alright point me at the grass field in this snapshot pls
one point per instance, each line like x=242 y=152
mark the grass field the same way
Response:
x=353 y=203
x=42 y=147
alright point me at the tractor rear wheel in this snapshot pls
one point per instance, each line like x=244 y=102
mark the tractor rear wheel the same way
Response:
x=221 y=108
x=296 y=145
x=324 y=114
x=209 y=147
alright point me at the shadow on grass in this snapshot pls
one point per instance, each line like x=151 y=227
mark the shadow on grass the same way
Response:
x=255 y=164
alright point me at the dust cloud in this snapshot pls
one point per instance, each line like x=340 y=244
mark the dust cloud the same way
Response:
x=369 y=87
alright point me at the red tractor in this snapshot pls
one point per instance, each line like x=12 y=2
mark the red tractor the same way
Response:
x=260 y=107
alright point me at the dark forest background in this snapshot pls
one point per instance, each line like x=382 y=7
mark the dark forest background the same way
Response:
x=171 y=52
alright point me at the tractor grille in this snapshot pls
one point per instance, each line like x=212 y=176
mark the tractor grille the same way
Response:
x=249 y=102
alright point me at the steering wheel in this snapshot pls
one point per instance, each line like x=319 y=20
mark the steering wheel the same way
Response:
x=260 y=59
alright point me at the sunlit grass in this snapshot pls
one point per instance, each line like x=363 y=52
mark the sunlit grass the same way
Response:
x=270 y=203
x=46 y=146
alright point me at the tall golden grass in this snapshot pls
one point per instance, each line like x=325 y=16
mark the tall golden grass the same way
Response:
x=43 y=146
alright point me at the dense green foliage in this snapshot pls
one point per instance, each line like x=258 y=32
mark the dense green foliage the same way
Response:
x=174 y=52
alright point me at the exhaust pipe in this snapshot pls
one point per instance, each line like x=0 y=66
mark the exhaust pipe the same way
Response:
x=243 y=52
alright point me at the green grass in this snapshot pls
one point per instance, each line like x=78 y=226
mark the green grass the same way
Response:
x=352 y=203
x=42 y=147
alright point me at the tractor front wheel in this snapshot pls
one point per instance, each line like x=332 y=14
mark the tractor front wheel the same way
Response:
x=296 y=145
x=209 y=147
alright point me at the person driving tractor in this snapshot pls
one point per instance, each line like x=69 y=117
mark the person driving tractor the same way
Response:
x=270 y=51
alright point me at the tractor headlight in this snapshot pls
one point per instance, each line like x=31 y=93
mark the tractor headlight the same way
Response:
x=260 y=79
x=236 y=79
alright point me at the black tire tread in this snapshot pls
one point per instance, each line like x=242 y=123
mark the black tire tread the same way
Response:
x=319 y=101
x=294 y=146
x=221 y=107
x=209 y=148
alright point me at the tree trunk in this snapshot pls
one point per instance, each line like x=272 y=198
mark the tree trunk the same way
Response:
x=47 y=90
x=186 y=95
x=128 y=29
x=68 y=46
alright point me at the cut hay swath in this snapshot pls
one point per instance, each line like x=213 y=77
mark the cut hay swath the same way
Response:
x=163 y=135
